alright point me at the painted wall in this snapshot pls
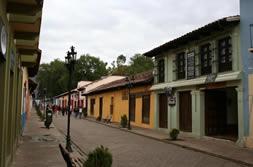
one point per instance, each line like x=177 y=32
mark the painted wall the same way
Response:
x=249 y=139
x=170 y=56
x=246 y=18
x=121 y=106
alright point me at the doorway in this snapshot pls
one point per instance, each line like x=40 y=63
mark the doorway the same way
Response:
x=163 y=111
x=101 y=106
x=221 y=114
x=185 y=111
x=132 y=107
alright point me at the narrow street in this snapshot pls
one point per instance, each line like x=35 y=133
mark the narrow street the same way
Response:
x=130 y=150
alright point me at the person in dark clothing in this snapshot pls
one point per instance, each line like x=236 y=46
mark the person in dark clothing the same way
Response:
x=76 y=112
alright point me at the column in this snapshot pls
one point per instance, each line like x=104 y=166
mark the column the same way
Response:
x=240 y=141
x=198 y=113
x=155 y=110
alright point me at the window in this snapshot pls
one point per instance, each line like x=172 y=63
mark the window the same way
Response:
x=161 y=71
x=92 y=103
x=206 y=59
x=145 y=108
x=225 y=54
x=181 y=66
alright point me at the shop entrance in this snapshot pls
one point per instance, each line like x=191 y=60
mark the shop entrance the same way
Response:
x=221 y=115
x=185 y=111
x=101 y=106
x=163 y=111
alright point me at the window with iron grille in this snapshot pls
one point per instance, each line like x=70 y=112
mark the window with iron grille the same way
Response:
x=161 y=70
x=206 y=59
x=145 y=109
x=225 y=54
x=181 y=65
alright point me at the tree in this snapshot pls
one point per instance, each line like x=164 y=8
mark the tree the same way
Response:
x=89 y=68
x=139 y=63
x=121 y=59
x=54 y=76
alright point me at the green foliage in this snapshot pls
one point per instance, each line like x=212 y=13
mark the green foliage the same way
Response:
x=89 y=68
x=54 y=76
x=123 y=121
x=121 y=59
x=138 y=63
x=85 y=112
x=40 y=114
x=100 y=157
x=99 y=118
x=174 y=133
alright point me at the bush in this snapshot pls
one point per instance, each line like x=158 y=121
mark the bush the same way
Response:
x=85 y=112
x=100 y=157
x=174 y=133
x=123 y=121
x=99 y=118
x=42 y=116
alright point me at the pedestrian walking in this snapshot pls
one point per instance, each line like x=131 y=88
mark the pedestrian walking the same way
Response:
x=56 y=110
x=76 y=112
x=80 y=113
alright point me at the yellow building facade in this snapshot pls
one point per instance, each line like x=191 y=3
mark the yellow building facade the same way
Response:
x=114 y=100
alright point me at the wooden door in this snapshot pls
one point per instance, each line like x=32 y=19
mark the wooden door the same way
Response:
x=132 y=107
x=163 y=111
x=101 y=106
x=185 y=111
x=215 y=112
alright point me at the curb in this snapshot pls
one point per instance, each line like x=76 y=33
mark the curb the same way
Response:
x=176 y=144
x=78 y=161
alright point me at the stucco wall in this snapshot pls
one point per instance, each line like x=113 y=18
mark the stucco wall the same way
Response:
x=121 y=106
x=249 y=140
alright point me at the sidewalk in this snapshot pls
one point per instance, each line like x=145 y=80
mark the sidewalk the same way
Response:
x=211 y=146
x=39 y=146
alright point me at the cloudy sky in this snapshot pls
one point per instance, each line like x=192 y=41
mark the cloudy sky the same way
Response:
x=108 y=28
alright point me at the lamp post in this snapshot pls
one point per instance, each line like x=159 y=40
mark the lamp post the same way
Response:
x=129 y=86
x=70 y=60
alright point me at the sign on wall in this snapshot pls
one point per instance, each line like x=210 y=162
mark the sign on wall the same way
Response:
x=172 y=100
x=190 y=65
x=3 y=40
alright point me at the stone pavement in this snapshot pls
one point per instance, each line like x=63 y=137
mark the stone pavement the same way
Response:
x=39 y=146
x=211 y=146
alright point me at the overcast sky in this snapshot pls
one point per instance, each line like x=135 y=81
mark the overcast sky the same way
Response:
x=108 y=28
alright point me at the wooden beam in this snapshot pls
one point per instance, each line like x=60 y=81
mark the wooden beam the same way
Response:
x=250 y=50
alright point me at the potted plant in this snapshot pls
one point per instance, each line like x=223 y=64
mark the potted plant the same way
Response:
x=99 y=118
x=174 y=133
x=100 y=157
x=123 y=121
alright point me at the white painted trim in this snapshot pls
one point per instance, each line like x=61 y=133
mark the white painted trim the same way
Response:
x=220 y=78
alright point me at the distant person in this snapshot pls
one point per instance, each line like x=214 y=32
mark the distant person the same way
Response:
x=56 y=110
x=80 y=113
x=76 y=112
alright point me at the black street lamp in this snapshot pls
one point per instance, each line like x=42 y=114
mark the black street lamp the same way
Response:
x=129 y=86
x=70 y=60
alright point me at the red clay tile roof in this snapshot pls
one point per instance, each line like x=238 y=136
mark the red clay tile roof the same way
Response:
x=140 y=79
x=217 y=25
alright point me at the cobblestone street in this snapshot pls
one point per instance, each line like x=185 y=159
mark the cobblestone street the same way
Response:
x=133 y=150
